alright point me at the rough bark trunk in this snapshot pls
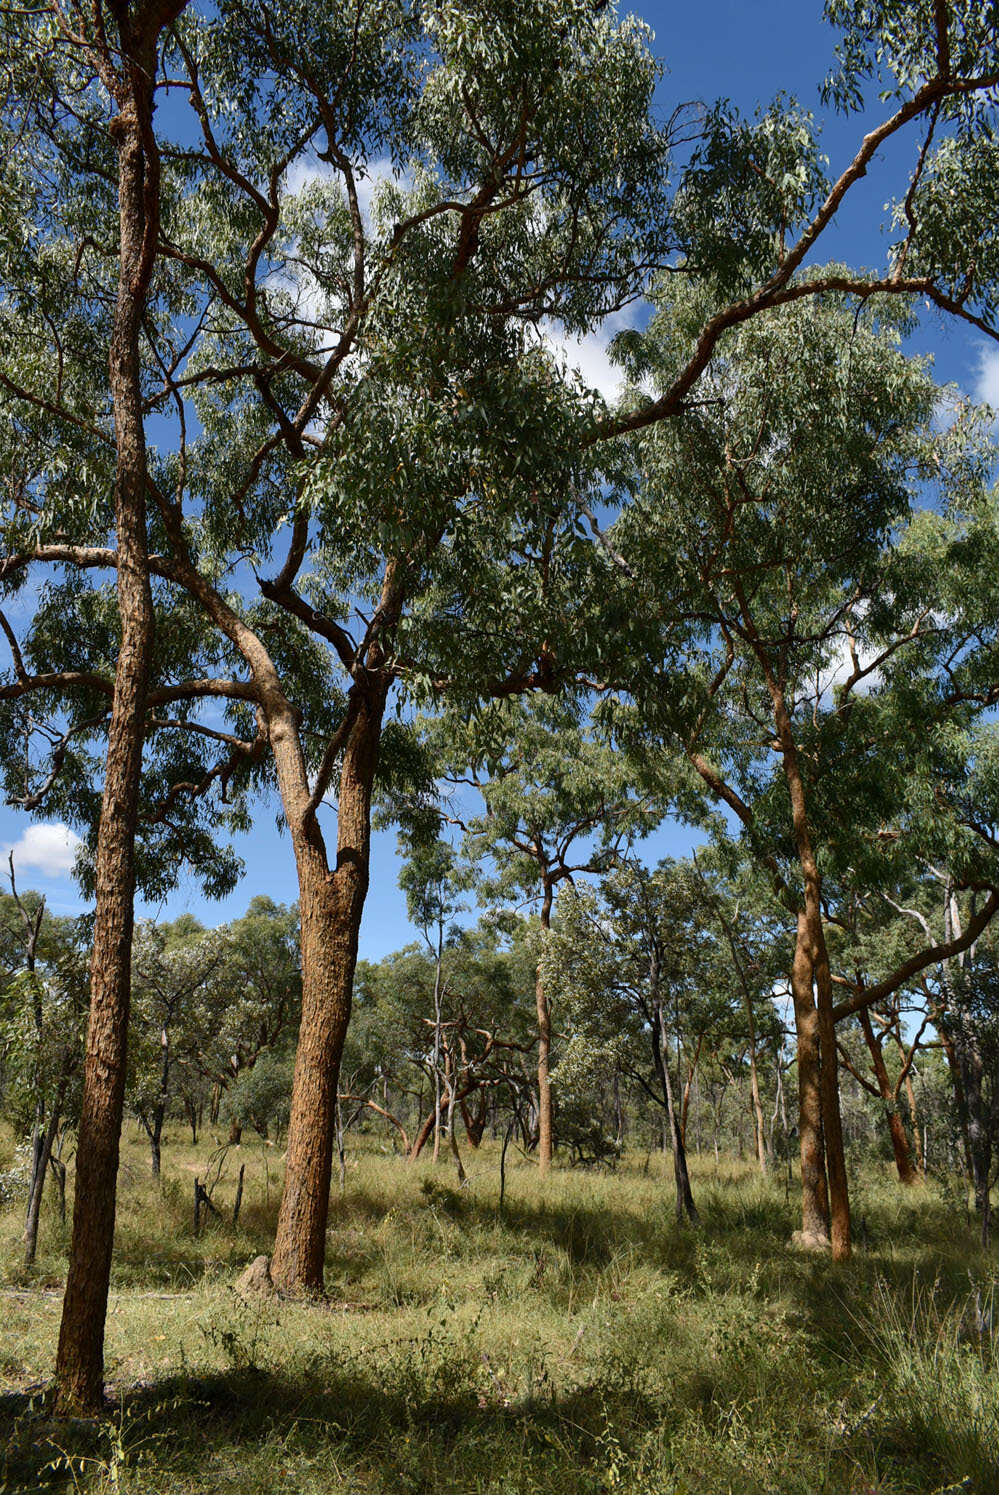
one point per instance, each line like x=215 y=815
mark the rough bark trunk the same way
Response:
x=979 y=1140
x=80 y=1357
x=814 y=1194
x=544 y=1048
x=331 y=904
x=967 y=1071
x=832 y=1125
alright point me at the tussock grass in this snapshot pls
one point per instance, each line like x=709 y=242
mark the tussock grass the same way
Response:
x=579 y=1341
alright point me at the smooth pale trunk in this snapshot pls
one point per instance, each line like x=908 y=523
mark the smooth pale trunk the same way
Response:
x=896 y=1128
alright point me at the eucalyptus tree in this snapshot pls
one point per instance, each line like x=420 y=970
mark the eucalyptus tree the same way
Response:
x=831 y=667
x=648 y=983
x=80 y=83
x=251 y=1004
x=296 y=315
x=477 y=1002
x=530 y=185
x=556 y=803
x=432 y=899
x=171 y=964
x=43 y=1002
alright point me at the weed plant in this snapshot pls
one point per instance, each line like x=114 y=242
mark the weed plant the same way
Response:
x=578 y=1341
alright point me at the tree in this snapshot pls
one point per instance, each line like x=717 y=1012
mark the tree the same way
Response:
x=557 y=804
x=42 y=1012
x=815 y=654
x=510 y=161
x=171 y=964
x=475 y=1005
x=537 y=190
x=645 y=980
x=428 y=880
x=107 y=56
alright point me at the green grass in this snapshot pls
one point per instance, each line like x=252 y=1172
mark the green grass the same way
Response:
x=579 y=1342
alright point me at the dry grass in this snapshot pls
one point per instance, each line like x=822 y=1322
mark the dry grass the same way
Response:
x=578 y=1342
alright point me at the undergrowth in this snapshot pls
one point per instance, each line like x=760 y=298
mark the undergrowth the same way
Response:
x=578 y=1341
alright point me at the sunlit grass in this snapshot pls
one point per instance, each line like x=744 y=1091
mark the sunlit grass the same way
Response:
x=579 y=1340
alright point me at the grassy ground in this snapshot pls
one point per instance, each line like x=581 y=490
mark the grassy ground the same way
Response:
x=578 y=1342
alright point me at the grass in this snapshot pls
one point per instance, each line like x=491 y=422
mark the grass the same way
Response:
x=580 y=1342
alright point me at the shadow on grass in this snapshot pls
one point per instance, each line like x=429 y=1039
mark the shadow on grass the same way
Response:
x=255 y=1430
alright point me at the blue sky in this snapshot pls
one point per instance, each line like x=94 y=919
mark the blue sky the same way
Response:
x=743 y=50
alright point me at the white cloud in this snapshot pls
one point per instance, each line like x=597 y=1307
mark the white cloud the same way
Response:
x=306 y=170
x=49 y=849
x=840 y=665
x=987 y=377
x=588 y=354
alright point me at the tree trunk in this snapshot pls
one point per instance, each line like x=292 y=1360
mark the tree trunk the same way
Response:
x=957 y=1085
x=475 y=1125
x=544 y=1047
x=822 y=1158
x=80 y=1357
x=155 y=1137
x=40 y=1162
x=423 y=1135
x=814 y=1194
x=967 y=1071
x=758 y=1119
x=330 y=906
x=914 y=1117
x=899 y=1141
x=979 y=1141
x=684 y=1194
x=437 y=1051
x=832 y=1125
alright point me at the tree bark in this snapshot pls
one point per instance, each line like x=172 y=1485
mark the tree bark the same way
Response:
x=813 y=998
x=832 y=1125
x=685 y=1205
x=899 y=1141
x=41 y=1155
x=544 y=1047
x=80 y=1357
x=814 y=1193
x=330 y=906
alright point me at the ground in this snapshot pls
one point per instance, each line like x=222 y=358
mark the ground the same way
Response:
x=579 y=1340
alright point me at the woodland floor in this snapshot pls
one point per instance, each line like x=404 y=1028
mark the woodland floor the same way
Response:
x=579 y=1341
